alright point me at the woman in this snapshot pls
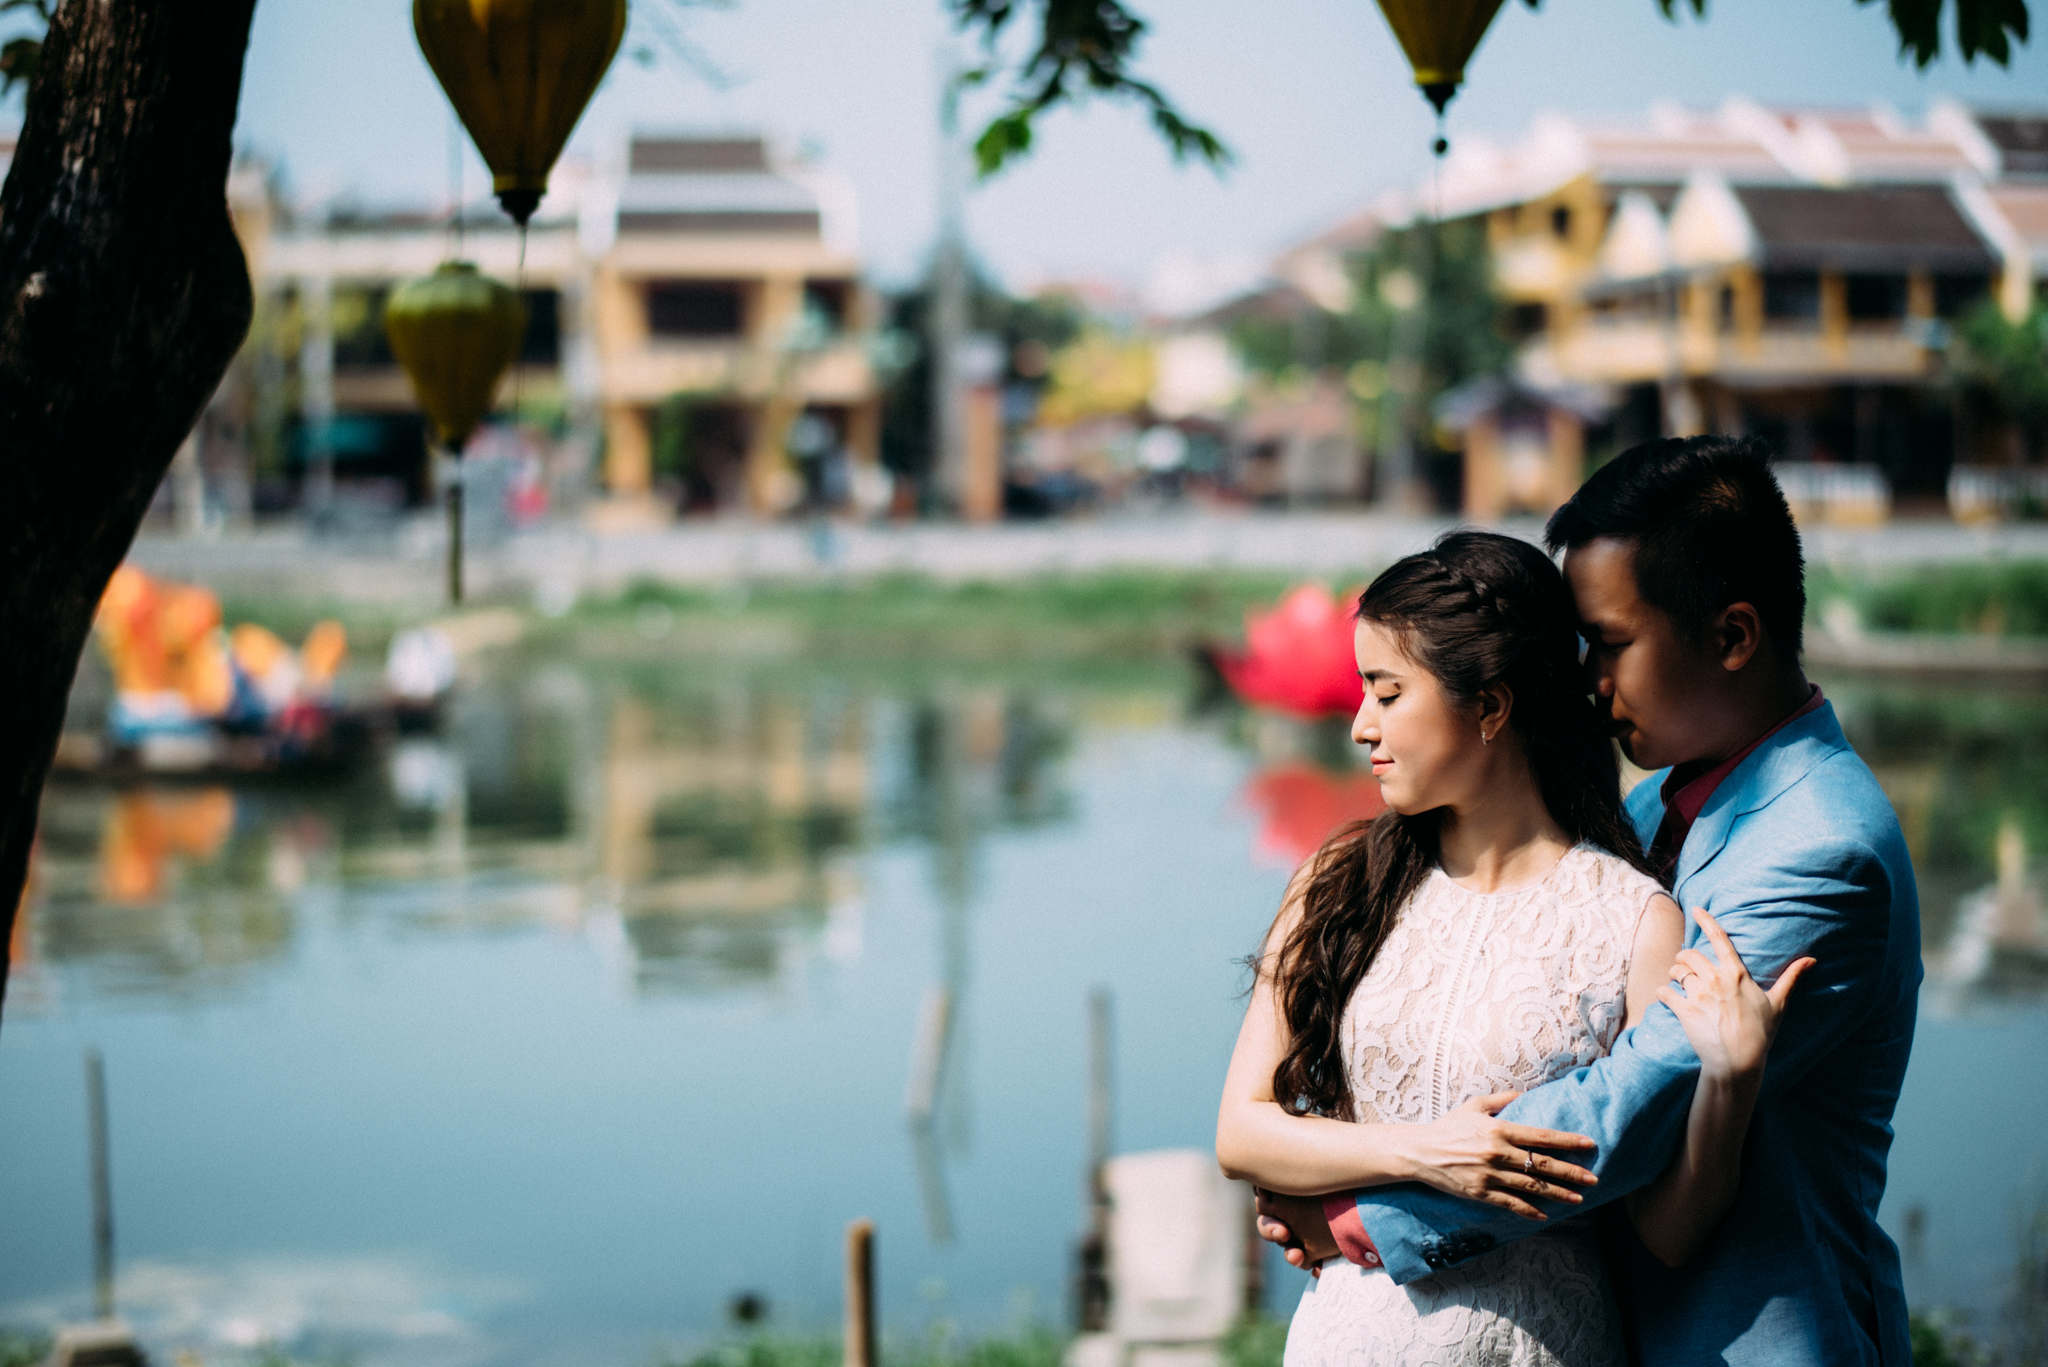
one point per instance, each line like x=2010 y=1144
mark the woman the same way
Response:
x=1494 y=929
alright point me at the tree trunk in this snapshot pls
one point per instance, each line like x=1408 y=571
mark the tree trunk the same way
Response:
x=123 y=296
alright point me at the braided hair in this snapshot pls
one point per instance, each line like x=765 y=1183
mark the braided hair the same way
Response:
x=1475 y=610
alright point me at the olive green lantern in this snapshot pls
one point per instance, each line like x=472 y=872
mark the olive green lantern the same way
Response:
x=1439 y=37
x=456 y=332
x=519 y=73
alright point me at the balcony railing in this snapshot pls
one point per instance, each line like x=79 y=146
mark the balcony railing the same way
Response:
x=1845 y=495
x=1978 y=493
x=1632 y=350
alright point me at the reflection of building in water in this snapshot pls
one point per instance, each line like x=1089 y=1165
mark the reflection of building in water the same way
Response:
x=713 y=828
x=723 y=824
x=2003 y=928
x=974 y=761
x=1963 y=770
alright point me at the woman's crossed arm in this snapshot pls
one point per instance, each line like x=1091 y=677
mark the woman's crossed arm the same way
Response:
x=1468 y=1152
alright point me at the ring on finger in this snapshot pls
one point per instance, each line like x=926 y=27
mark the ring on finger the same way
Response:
x=1529 y=1162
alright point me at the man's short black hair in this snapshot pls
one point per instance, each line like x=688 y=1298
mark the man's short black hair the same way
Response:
x=1709 y=527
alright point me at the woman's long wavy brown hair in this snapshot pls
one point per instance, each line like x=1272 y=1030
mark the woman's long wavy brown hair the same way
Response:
x=1474 y=610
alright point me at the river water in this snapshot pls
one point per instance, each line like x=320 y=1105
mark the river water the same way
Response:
x=546 y=1038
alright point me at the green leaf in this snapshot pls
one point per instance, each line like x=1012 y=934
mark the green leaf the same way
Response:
x=1984 y=28
x=1005 y=138
x=1085 y=49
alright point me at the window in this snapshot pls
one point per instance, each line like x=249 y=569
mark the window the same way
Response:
x=696 y=308
x=1954 y=294
x=356 y=314
x=1725 y=308
x=825 y=304
x=543 y=344
x=1792 y=295
x=1561 y=222
x=1876 y=298
x=1525 y=321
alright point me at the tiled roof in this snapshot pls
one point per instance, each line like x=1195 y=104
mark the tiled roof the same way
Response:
x=1873 y=228
x=2021 y=140
x=711 y=185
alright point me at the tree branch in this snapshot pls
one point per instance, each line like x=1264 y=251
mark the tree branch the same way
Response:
x=1089 y=42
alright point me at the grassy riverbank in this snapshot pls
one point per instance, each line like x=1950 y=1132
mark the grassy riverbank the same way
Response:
x=1255 y=1342
x=1146 y=618
x=2008 y=598
x=1105 y=615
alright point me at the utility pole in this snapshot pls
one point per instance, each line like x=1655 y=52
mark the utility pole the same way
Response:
x=947 y=323
x=1407 y=293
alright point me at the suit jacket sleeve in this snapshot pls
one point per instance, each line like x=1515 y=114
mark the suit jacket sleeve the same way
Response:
x=1831 y=900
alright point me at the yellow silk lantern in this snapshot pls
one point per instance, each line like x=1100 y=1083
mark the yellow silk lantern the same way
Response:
x=519 y=73
x=1438 y=37
x=456 y=332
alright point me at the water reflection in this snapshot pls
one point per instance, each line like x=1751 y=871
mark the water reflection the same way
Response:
x=768 y=882
x=1967 y=771
x=702 y=831
x=705 y=829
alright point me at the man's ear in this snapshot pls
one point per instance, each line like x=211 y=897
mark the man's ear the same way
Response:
x=1738 y=633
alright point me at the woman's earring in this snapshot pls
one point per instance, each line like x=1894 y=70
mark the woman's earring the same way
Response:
x=1484 y=739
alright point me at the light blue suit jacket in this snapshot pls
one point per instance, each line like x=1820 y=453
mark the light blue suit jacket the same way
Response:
x=1797 y=852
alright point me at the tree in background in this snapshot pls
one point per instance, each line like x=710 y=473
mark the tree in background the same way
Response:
x=1423 y=320
x=2009 y=361
x=1027 y=330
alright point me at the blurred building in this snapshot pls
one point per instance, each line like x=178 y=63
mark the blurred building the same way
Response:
x=1796 y=274
x=694 y=339
x=323 y=285
x=721 y=298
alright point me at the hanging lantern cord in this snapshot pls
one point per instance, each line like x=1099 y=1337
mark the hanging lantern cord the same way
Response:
x=517 y=356
x=455 y=182
x=1436 y=171
x=455 y=529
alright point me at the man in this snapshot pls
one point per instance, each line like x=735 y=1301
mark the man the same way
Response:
x=1686 y=567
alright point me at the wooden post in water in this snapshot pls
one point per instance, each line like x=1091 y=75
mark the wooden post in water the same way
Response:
x=1100 y=1083
x=1092 y=1289
x=928 y=1054
x=860 y=1294
x=102 y=1186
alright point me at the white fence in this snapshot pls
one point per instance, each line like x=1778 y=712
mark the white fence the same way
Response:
x=1846 y=495
x=1983 y=493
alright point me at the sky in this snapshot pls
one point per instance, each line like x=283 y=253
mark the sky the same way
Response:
x=1312 y=95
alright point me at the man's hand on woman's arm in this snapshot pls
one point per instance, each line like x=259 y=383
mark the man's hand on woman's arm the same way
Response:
x=1730 y=1020
x=1298 y=1225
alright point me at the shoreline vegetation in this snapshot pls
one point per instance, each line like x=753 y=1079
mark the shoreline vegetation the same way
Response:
x=1122 y=615
x=1256 y=1341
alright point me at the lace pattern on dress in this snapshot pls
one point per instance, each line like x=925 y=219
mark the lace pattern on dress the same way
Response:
x=1476 y=993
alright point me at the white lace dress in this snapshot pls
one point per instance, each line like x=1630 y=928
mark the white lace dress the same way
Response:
x=1476 y=993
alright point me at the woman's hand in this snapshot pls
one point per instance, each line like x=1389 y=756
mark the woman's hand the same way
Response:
x=1474 y=1154
x=1729 y=1019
